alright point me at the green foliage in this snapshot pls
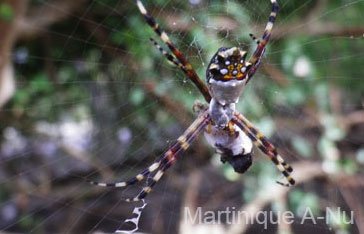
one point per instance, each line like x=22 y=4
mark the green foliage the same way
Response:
x=93 y=67
x=302 y=201
x=302 y=146
x=332 y=61
x=39 y=85
x=137 y=96
x=6 y=12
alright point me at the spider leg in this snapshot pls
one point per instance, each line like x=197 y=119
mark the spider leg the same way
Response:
x=170 y=57
x=265 y=146
x=259 y=51
x=154 y=172
x=188 y=69
x=254 y=38
x=130 y=181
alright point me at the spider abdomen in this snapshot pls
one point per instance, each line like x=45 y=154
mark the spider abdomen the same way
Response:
x=235 y=148
x=240 y=162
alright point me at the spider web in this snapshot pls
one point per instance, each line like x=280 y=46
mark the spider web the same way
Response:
x=82 y=111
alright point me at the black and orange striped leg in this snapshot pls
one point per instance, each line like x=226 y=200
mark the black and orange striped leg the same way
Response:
x=187 y=67
x=259 y=51
x=168 y=56
x=262 y=143
x=155 y=171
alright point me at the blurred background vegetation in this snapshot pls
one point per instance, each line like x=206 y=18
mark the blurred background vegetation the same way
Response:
x=85 y=95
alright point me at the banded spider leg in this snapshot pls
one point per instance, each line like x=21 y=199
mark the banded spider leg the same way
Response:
x=223 y=77
x=180 y=59
x=261 y=44
x=262 y=143
x=154 y=172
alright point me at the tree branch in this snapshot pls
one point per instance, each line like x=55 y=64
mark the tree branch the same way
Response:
x=40 y=18
x=7 y=40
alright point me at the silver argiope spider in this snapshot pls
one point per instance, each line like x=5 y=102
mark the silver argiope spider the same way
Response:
x=227 y=130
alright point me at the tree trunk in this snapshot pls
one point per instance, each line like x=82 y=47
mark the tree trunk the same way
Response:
x=8 y=35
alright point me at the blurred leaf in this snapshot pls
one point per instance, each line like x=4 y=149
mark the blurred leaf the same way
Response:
x=40 y=83
x=237 y=11
x=292 y=52
x=338 y=219
x=321 y=95
x=6 y=12
x=229 y=173
x=295 y=95
x=21 y=97
x=266 y=125
x=331 y=166
x=66 y=74
x=332 y=129
x=349 y=166
x=360 y=155
x=27 y=221
x=327 y=149
x=301 y=201
x=302 y=146
x=137 y=96
x=117 y=37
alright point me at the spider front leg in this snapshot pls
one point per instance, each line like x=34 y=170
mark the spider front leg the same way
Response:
x=259 y=51
x=262 y=143
x=169 y=56
x=154 y=172
x=177 y=58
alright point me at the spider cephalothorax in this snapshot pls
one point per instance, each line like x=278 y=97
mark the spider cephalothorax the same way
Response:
x=226 y=77
x=227 y=74
x=227 y=130
x=228 y=64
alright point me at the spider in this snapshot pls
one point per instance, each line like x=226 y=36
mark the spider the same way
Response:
x=227 y=130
